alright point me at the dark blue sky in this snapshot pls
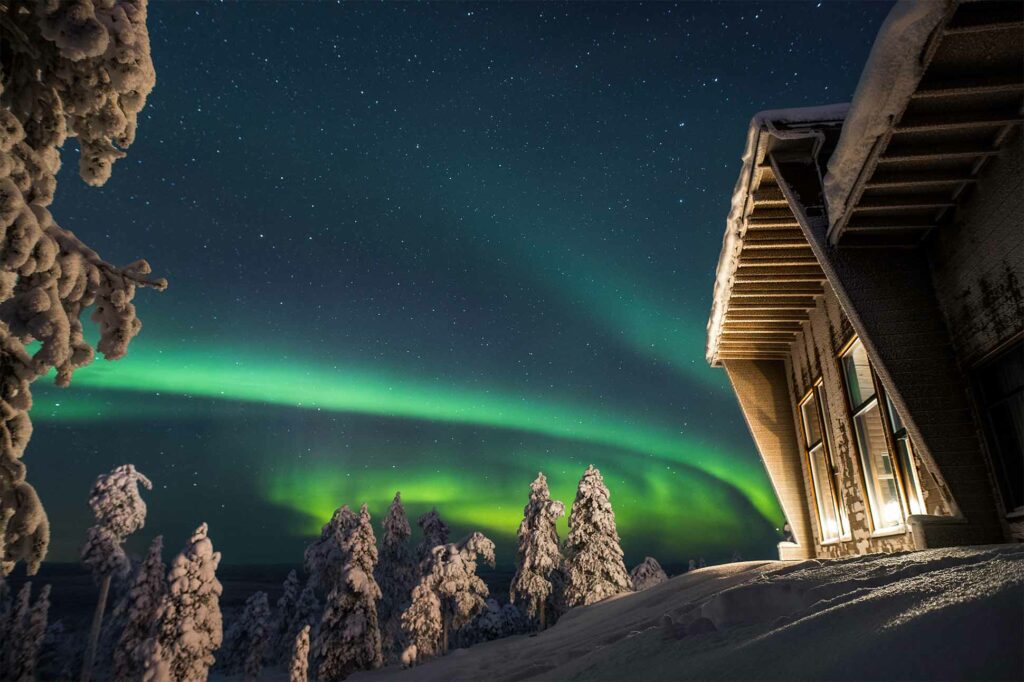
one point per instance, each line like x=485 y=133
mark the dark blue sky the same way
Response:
x=478 y=239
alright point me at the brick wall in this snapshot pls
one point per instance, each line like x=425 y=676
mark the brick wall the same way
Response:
x=978 y=260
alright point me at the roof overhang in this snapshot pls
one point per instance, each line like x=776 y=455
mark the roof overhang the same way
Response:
x=939 y=95
x=767 y=278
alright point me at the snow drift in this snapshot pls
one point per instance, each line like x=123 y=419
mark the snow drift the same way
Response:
x=937 y=614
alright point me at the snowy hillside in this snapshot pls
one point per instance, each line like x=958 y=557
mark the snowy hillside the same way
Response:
x=938 y=614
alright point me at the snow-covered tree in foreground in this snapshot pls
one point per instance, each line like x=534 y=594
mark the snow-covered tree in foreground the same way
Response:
x=143 y=599
x=647 y=573
x=447 y=597
x=81 y=69
x=594 y=566
x=435 y=534
x=298 y=670
x=188 y=628
x=396 y=576
x=349 y=635
x=538 y=554
x=324 y=556
x=245 y=642
x=119 y=511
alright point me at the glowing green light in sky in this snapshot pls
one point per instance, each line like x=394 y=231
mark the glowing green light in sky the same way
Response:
x=230 y=375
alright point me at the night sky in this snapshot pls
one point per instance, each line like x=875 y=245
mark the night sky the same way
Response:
x=436 y=249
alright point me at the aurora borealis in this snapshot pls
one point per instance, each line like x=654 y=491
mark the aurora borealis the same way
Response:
x=433 y=248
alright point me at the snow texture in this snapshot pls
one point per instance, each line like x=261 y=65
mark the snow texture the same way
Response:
x=594 y=567
x=889 y=78
x=79 y=68
x=648 y=573
x=246 y=641
x=296 y=608
x=349 y=635
x=298 y=670
x=143 y=599
x=538 y=553
x=396 y=575
x=119 y=511
x=188 y=628
x=940 y=614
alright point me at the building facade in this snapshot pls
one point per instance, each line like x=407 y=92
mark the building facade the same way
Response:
x=869 y=300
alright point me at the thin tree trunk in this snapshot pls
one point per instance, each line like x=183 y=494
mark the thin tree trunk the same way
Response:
x=94 y=633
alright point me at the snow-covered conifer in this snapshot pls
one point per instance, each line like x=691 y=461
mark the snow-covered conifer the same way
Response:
x=647 y=573
x=324 y=556
x=449 y=595
x=245 y=642
x=435 y=534
x=24 y=633
x=593 y=556
x=349 y=636
x=119 y=511
x=188 y=628
x=298 y=670
x=283 y=612
x=422 y=624
x=142 y=601
x=67 y=69
x=396 y=576
x=538 y=554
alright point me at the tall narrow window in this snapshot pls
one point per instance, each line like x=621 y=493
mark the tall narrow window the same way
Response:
x=886 y=453
x=1000 y=388
x=831 y=514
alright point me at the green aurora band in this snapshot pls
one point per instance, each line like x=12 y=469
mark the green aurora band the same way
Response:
x=250 y=378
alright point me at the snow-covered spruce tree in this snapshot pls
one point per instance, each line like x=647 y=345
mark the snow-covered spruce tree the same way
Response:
x=79 y=68
x=245 y=642
x=494 y=622
x=280 y=647
x=298 y=670
x=396 y=576
x=349 y=635
x=324 y=556
x=593 y=558
x=143 y=599
x=538 y=554
x=119 y=511
x=188 y=620
x=308 y=611
x=448 y=596
x=435 y=534
x=647 y=573
x=25 y=631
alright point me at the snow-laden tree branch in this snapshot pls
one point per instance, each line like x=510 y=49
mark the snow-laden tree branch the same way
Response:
x=73 y=68
x=647 y=573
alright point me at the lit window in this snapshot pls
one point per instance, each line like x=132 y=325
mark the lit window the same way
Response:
x=831 y=514
x=886 y=453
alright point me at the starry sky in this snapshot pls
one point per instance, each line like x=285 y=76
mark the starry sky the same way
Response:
x=434 y=248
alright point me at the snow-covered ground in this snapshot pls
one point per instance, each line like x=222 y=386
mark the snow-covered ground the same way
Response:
x=938 y=614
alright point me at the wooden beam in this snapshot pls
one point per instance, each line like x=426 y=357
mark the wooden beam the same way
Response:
x=760 y=270
x=778 y=277
x=812 y=288
x=918 y=179
x=959 y=121
x=971 y=87
x=798 y=304
x=904 y=202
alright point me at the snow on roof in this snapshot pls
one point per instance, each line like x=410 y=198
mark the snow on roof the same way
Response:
x=889 y=78
x=780 y=124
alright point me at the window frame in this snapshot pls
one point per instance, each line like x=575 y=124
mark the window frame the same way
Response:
x=881 y=401
x=817 y=393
